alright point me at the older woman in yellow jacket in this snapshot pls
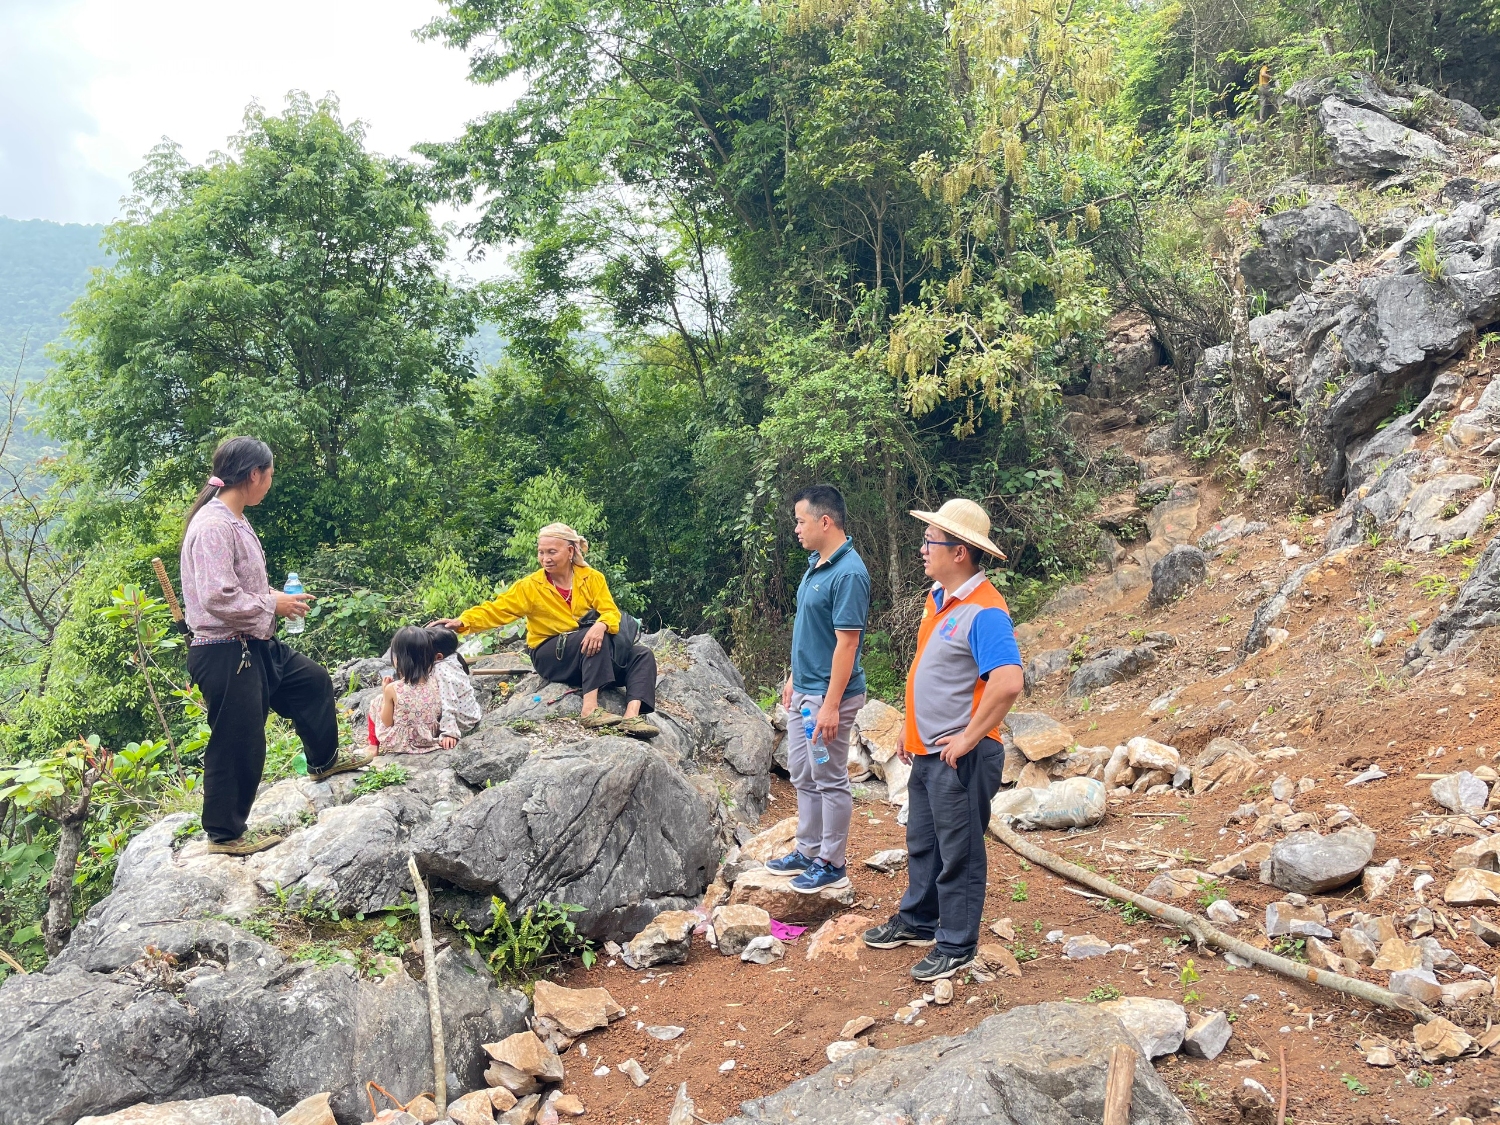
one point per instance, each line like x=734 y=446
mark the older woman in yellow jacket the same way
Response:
x=564 y=648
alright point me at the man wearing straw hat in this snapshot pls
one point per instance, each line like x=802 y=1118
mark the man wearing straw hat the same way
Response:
x=964 y=678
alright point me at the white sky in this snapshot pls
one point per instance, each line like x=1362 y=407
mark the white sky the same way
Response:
x=88 y=86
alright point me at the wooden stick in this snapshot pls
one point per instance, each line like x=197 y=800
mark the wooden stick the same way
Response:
x=434 y=1007
x=1204 y=933
x=12 y=962
x=1281 y=1113
x=1120 y=1084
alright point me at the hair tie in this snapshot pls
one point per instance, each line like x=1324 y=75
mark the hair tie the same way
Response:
x=215 y=482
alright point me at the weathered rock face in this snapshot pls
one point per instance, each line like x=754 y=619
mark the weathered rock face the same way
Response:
x=1272 y=610
x=623 y=828
x=88 y=1037
x=1297 y=245
x=1177 y=572
x=223 y=1109
x=1478 y=607
x=1043 y=1064
x=1110 y=667
x=609 y=824
x=1311 y=864
x=1364 y=140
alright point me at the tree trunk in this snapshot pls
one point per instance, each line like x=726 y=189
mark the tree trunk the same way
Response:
x=1246 y=374
x=892 y=531
x=57 y=927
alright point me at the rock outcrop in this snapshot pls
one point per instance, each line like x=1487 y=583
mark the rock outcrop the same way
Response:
x=166 y=992
x=1042 y=1064
x=1297 y=245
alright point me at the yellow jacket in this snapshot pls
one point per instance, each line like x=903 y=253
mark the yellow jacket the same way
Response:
x=547 y=615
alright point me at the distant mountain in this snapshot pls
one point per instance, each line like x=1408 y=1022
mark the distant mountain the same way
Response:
x=43 y=268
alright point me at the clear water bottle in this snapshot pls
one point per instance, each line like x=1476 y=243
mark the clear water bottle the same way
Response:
x=820 y=751
x=294 y=586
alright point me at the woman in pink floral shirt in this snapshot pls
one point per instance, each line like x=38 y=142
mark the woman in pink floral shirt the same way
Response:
x=243 y=671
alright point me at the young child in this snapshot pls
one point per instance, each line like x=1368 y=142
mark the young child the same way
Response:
x=460 y=706
x=406 y=714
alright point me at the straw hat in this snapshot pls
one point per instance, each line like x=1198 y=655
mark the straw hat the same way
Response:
x=966 y=521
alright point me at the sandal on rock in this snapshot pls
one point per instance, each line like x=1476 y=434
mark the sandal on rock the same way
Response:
x=343 y=762
x=637 y=727
x=597 y=718
x=248 y=844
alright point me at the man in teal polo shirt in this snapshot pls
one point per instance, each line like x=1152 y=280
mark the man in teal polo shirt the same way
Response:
x=833 y=604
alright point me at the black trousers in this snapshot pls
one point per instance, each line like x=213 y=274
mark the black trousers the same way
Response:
x=945 y=823
x=239 y=701
x=636 y=672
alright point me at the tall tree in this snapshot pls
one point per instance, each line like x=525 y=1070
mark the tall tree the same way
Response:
x=290 y=288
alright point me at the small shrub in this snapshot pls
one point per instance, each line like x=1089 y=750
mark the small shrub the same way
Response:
x=1018 y=892
x=381 y=778
x=1023 y=952
x=516 y=947
x=1424 y=252
x=1102 y=993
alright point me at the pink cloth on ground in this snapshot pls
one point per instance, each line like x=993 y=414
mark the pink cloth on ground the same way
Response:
x=782 y=932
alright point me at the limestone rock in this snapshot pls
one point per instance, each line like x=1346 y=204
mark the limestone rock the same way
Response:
x=665 y=941
x=1224 y=763
x=774 y=894
x=1357 y=946
x=1110 y=667
x=1461 y=793
x=424 y=1109
x=1222 y=912
x=1036 y=735
x=1208 y=1037
x=1177 y=572
x=1177 y=883
x=1045 y=1061
x=472 y=1109
x=1148 y=754
x=1377 y=880
x=1297 y=245
x=1362 y=140
x=504 y=1077
x=315 y=1111
x=1243 y=863
x=879 y=725
x=887 y=860
x=736 y=926
x=683 y=1108
x=764 y=950
x=1284 y=918
x=524 y=1112
x=1472 y=887
x=1255 y=1103
x=1439 y=1040
x=632 y=1070
x=1462 y=991
x=575 y=1010
x=1083 y=946
x=1324 y=957
x=1419 y=984
x=1483 y=854
x=998 y=959
x=225 y=1109
x=1477 y=607
x=1074 y=803
x=776 y=841
x=528 y=1055
x=1157 y=1025
x=1311 y=864
x=841 y=1049
x=856 y=1027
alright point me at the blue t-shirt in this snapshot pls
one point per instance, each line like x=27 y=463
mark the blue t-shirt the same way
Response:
x=992 y=638
x=833 y=596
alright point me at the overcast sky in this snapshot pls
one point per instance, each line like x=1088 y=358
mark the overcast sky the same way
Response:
x=88 y=86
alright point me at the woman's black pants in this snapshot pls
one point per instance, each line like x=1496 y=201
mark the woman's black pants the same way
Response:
x=636 y=673
x=239 y=699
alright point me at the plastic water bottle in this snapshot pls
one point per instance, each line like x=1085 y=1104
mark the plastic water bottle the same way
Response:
x=820 y=751
x=294 y=586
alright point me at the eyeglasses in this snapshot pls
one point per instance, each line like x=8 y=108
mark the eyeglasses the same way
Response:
x=929 y=543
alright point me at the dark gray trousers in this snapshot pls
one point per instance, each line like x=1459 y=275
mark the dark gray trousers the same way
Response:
x=947 y=876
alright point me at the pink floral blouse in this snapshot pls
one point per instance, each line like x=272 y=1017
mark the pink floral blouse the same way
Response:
x=224 y=586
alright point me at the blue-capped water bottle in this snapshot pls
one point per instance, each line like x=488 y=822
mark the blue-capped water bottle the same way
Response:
x=294 y=586
x=820 y=751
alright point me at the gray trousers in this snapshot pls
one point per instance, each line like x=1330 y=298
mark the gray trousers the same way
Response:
x=946 y=861
x=825 y=802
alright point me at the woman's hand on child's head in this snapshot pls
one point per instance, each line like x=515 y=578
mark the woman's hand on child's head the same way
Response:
x=454 y=623
x=447 y=742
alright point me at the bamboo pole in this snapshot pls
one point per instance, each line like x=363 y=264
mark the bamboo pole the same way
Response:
x=1205 y=934
x=434 y=1007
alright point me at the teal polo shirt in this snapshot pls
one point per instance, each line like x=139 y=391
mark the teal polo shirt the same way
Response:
x=835 y=595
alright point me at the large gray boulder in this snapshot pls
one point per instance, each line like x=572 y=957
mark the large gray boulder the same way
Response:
x=611 y=825
x=1311 y=864
x=1043 y=1064
x=107 y=1025
x=1477 y=608
x=1177 y=572
x=1386 y=444
x=1358 y=88
x=1110 y=667
x=1296 y=246
x=1364 y=140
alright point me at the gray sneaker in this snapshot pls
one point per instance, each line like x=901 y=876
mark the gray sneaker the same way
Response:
x=936 y=966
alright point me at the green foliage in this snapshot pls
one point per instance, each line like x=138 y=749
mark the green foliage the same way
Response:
x=1102 y=993
x=1018 y=891
x=1424 y=251
x=1130 y=914
x=516 y=948
x=373 y=781
x=1354 y=1085
x=1023 y=952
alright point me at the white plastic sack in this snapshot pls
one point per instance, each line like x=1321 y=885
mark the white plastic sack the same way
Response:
x=1074 y=803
